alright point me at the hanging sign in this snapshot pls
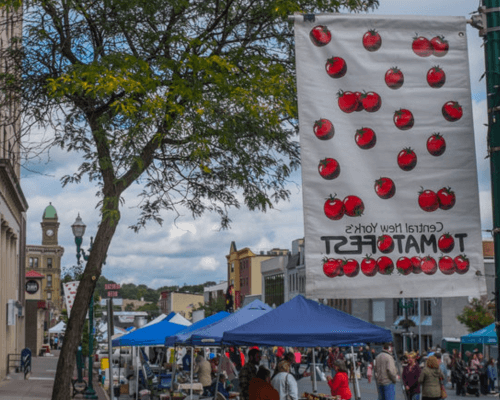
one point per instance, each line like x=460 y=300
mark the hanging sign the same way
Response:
x=32 y=287
x=390 y=190
x=69 y=294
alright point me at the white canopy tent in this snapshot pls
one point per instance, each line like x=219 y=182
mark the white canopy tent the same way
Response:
x=59 y=328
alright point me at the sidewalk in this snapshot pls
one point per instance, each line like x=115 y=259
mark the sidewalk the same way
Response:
x=40 y=383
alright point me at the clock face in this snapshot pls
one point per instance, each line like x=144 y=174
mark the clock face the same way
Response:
x=49 y=232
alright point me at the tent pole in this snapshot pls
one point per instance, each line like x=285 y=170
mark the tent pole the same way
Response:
x=398 y=367
x=137 y=361
x=192 y=374
x=315 y=384
x=174 y=366
x=218 y=374
x=357 y=394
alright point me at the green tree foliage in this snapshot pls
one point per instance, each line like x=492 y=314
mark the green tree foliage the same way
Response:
x=476 y=316
x=193 y=100
x=213 y=307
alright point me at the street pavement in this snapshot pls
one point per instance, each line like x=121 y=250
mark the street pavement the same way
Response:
x=40 y=382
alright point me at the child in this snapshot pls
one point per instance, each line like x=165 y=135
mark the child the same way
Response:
x=369 y=372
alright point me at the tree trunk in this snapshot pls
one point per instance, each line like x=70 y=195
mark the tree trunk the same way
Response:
x=72 y=336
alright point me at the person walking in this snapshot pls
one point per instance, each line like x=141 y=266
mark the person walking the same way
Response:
x=339 y=385
x=204 y=370
x=411 y=373
x=386 y=373
x=430 y=380
x=492 y=375
x=298 y=361
x=285 y=383
x=460 y=370
x=248 y=372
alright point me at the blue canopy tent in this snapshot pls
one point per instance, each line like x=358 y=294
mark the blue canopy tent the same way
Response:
x=181 y=336
x=305 y=323
x=211 y=335
x=486 y=335
x=152 y=335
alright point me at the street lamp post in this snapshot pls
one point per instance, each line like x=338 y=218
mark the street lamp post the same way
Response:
x=78 y=228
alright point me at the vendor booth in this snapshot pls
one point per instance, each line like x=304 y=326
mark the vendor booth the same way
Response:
x=305 y=323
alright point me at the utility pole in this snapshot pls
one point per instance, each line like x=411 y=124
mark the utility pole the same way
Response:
x=488 y=21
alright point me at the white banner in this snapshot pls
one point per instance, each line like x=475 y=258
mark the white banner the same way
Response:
x=69 y=294
x=391 y=203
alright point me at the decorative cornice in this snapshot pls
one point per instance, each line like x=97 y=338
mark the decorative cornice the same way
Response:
x=7 y=172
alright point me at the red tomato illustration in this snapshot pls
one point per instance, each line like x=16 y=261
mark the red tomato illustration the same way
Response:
x=320 y=35
x=385 y=188
x=416 y=262
x=350 y=267
x=407 y=159
x=440 y=46
x=365 y=138
x=428 y=265
x=385 y=265
x=452 y=111
x=404 y=266
x=360 y=103
x=332 y=267
x=369 y=266
x=446 y=243
x=334 y=208
x=348 y=101
x=447 y=265
x=371 y=101
x=385 y=244
x=336 y=67
x=428 y=200
x=446 y=198
x=394 y=78
x=353 y=206
x=329 y=168
x=372 y=40
x=436 y=145
x=462 y=264
x=422 y=46
x=323 y=129
x=436 y=77
x=403 y=119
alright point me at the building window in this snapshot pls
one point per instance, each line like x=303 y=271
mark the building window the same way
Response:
x=232 y=267
x=339 y=304
x=31 y=262
x=49 y=295
x=411 y=306
x=49 y=262
x=49 y=280
x=274 y=289
x=35 y=261
x=427 y=307
x=378 y=311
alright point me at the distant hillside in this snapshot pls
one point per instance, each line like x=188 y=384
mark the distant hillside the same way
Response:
x=136 y=292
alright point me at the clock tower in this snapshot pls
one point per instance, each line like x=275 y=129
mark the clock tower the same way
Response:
x=45 y=259
x=50 y=226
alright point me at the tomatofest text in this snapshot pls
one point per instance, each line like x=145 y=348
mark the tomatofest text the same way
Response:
x=389 y=174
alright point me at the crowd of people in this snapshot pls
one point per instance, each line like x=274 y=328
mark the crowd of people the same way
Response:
x=448 y=369
x=423 y=375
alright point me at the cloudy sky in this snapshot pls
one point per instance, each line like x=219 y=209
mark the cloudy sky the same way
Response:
x=193 y=251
